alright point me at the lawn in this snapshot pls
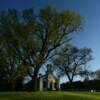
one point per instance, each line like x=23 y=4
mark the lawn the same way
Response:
x=49 y=96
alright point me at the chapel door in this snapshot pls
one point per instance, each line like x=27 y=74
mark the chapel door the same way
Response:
x=50 y=85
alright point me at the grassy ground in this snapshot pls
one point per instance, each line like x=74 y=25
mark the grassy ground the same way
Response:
x=49 y=96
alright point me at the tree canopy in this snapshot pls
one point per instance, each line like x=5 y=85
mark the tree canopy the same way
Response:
x=29 y=39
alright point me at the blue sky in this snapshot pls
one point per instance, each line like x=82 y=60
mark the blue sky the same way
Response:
x=89 y=9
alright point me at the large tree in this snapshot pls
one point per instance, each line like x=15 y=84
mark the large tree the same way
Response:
x=11 y=65
x=34 y=38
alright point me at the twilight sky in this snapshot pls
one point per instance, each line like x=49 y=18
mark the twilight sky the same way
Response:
x=89 y=9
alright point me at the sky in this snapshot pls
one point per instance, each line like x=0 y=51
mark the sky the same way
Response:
x=88 y=9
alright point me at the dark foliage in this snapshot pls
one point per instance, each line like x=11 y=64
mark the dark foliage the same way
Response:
x=82 y=86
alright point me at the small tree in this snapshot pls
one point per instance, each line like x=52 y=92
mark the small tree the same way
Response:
x=11 y=72
x=72 y=62
x=97 y=74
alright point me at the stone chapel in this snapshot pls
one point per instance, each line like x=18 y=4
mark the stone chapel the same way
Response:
x=48 y=81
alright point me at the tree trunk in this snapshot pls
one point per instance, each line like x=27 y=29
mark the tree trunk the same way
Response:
x=71 y=85
x=35 y=81
x=13 y=87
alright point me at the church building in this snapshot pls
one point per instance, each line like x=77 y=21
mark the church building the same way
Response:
x=48 y=81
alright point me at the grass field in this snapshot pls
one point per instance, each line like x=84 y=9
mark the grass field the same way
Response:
x=49 y=96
